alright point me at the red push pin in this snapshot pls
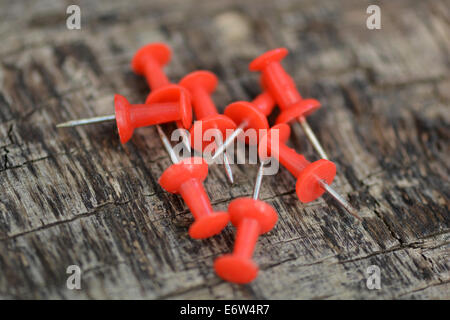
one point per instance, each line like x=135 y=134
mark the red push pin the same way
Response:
x=185 y=178
x=252 y=218
x=168 y=103
x=313 y=179
x=149 y=62
x=282 y=87
x=130 y=116
x=201 y=84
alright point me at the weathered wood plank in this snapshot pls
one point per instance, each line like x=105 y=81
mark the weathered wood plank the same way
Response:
x=77 y=196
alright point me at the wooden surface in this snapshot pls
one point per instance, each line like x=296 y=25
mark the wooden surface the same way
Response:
x=78 y=197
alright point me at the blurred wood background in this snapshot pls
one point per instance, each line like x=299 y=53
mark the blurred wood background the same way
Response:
x=78 y=197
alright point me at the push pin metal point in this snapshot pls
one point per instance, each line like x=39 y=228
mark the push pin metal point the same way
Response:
x=201 y=84
x=284 y=91
x=185 y=177
x=130 y=116
x=251 y=217
x=166 y=143
x=85 y=121
x=313 y=178
x=259 y=177
x=149 y=62
x=168 y=146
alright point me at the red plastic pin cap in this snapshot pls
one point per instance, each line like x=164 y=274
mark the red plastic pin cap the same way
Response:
x=201 y=84
x=251 y=218
x=243 y=111
x=173 y=93
x=185 y=178
x=131 y=116
x=264 y=103
x=282 y=87
x=308 y=174
x=149 y=62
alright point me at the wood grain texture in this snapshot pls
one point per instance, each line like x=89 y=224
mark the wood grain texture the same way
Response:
x=77 y=196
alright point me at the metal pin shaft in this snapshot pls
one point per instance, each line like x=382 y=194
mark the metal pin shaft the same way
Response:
x=230 y=139
x=81 y=122
x=226 y=165
x=258 y=182
x=167 y=144
x=312 y=137
x=340 y=199
x=186 y=140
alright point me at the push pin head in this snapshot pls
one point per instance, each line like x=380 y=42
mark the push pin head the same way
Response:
x=123 y=118
x=218 y=122
x=300 y=109
x=177 y=94
x=181 y=172
x=158 y=52
x=149 y=61
x=304 y=107
x=254 y=209
x=200 y=80
x=275 y=55
x=251 y=218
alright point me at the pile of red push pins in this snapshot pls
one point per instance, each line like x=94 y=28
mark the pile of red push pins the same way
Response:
x=170 y=102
